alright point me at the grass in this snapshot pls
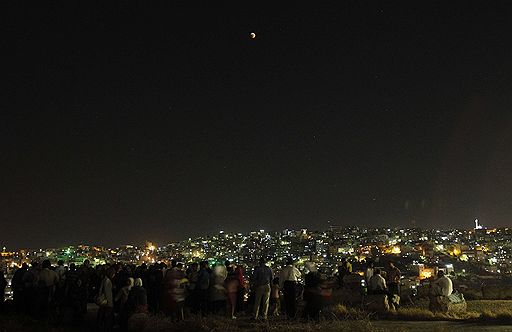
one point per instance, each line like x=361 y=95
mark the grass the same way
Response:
x=335 y=318
x=160 y=324
x=489 y=311
x=419 y=314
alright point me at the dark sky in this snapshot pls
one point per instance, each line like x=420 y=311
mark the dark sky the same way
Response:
x=139 y=122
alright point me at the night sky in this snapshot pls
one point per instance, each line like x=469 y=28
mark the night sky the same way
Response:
x=138 y=122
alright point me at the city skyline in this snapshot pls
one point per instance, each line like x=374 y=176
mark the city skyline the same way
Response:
x=129 y=122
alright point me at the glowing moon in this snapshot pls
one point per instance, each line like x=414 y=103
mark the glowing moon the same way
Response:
x=253 y=35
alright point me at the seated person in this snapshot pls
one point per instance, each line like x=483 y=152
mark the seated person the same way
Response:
x=442 y=286
x=377 y=284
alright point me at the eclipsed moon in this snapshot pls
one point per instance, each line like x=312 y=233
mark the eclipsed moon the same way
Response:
x=253 y=35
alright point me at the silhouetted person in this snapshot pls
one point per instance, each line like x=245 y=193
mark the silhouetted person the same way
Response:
x=312 y=294
x=193 y=299
x=442 y=286
x=242 y=288
x=377 y=284
x=90 y=282
x=231 y=284
x=202 y=286
x=393 y=277
x=368 y=272
x=217 y=292
x=30 y=284
x=3 y=285
x=154 y=286
x=47 y=284
x=345 y=268
x=122 y=295
x=105 y=318
x=288 y=280
x=74 y=292
x=275 y=297
x=137 y=303
x=173 y=296
x=18 y=288
x=262 y=277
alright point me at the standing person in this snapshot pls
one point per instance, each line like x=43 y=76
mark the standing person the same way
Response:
x=122 y=295
x=368 y=273
x=74 y=292
x=393 y=277
x=47 y=284
x=154 y=281
x=288 y=280
x=231 y=284
x=18 y=287
x=137 y=298
x=30 y=283
x=87 y=276
x=203 y=283
x=174 y=292
x=242 y=288
x=136 y=303
x=192 y=273
x=60 y=270
x=345 y=268
x=275 y=297
x=261 y=280
x=105 y=318
x=3 y=285
x=312 y=293
x=217 y=292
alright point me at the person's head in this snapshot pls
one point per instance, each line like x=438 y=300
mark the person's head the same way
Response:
x=110 y=272
x=262 y=261
x=230 y=269
x=24 y=266
x=310 y=267
x=227 y=263
x=60 y=262
x=391 y=264
x=289 y=261
x=179 y=265
x=34 y=264
x=377 y=271
x=275 y=281
x=138 y=282
x=130 y=282
x=87 y=263
x=72 y=266
x=440 y=273
x=343 y=260
x=174 y=263
x=204 y=265
x=46 y=264
x=194 y=266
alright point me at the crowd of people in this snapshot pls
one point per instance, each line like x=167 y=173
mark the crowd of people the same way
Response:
x=62 y=293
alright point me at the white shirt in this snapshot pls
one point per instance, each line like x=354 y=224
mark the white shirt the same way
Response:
x=368 y=273
x=289 y=273
x=377 y=283
x=444 y=285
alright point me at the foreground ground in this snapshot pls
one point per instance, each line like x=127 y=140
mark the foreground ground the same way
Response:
x=481 y=316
